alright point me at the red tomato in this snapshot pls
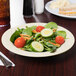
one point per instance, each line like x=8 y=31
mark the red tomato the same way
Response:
x=39 y=28
x=59 y=40
x=20 y=42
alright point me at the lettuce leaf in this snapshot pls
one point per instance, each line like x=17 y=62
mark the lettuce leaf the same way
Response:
x=49 y=47
x=37 y=35
x=51 y=25
x=27 y=48
x=15 y=35
x=33 y=27
x=28 y=30
x=61 y=33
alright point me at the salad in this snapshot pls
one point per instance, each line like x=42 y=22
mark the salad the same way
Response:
x=39 y=38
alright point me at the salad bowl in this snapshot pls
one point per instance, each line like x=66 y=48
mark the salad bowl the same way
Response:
x=69 y=42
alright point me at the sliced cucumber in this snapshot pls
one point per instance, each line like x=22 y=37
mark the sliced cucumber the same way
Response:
x=46 y=32
x=37 y=46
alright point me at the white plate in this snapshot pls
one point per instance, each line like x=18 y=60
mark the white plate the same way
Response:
x=55 y=11
x=9 y=45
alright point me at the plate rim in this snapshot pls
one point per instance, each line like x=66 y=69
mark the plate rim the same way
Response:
x=32 y=52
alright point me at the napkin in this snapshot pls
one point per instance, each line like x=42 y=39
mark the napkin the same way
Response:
x=16 y=13
x=1 y=64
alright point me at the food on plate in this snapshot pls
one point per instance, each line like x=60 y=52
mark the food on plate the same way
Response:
x=70 y=7
x=47 y=32
x=68 y=13
x=37 y=46
x=59 y=4
x=68 y=10
x=59 y=39
x=20 y=42
x=39 y=38
x=65 y=7
x=39 y=28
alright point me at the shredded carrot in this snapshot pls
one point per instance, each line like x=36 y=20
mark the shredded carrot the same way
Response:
x=22 y=48
x=34 y=31
x=26 y=37
x=21 y=35
x=54 y=30
x=54 y=43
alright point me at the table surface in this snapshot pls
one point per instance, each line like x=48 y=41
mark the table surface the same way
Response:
x=61 y=65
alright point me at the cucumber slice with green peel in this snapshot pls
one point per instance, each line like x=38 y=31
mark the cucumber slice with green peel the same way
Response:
x=47 y=32
x=37 y=46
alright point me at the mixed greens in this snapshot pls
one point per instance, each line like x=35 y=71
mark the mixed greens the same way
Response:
x=39 y=38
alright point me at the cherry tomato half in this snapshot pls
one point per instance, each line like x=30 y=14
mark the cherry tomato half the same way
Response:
x=39 y=28
x=59 y=40
x=20 y=42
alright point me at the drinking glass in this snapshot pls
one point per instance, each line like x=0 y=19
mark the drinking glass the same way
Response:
x=4 y=12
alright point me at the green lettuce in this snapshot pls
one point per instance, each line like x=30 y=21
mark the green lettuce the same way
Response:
x=28 y=30
x=51 y=25
x=61 y=33
x=15 y=35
